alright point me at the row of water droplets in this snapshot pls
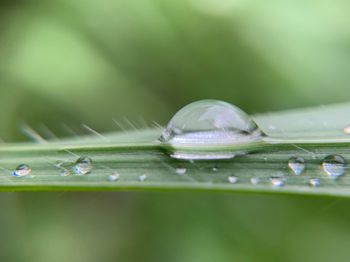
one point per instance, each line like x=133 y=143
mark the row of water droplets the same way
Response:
x=195 y=133
x=82 y=166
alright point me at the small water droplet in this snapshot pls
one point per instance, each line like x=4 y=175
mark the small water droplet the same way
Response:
x=255 y=180
x=232 y=179
x=347 y=130
x=277 y=181
x=181 y=170
x=22 y=170
x=297 y=165
x=314 y=182
x=215 y=169
x=113 y=177
x=143 y=177
x=205 y=124
x=83 y=166
x=334 y=165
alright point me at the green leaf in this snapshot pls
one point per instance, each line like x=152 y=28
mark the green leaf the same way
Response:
x=309 y=133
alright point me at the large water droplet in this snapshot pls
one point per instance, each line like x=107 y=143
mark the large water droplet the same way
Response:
x=297 y=165
x=22 y=170
x=83 y=166
x=206 y=124
x=334 y=165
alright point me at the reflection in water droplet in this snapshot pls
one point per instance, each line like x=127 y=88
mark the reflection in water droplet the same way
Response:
x=65 y=172
x=181 y=170
x=22 y=170
x=113 y=177
x=205 y=124
x=232 y=179
x=314 y=182
x=277 y=181
x=347 y=130
x=83 y=166
x=143 y=177
x=255 y=180
x=297 y=165
x=334 y=165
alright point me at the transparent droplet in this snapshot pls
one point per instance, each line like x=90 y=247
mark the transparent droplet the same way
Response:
x=277 y=181
x=347 y=130
x=297 y=165
x=143 y=177
x=205 y=124
x=113 y=177
x=83 y=166
x=181 y=170
x=22 y=170
x=215 y=169
x=314 y=182
x=334 y=165
x=232 y=179
x=255 y=180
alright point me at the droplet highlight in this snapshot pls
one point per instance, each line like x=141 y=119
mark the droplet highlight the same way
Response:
x=314 y=182
x=297 y=165
x=334 y=166
x=83 y=166
x=232 y=179
x=22 y=170
x=199 y=127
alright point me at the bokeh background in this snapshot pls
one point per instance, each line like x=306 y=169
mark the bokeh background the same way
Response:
x=64 y=63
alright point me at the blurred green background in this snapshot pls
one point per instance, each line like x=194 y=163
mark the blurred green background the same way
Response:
x=64 y=63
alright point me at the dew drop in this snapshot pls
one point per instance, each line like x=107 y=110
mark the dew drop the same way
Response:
x=143 y=177
x=277 y=181
x=205 y=124
x=232 y=179
x=297 y=165
x=255 y=180
x=113 y=177
x=215 y=169
x=22 y=170
x=314 y=182
x=334 y=165
x=82 y=166
x=181 y=170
